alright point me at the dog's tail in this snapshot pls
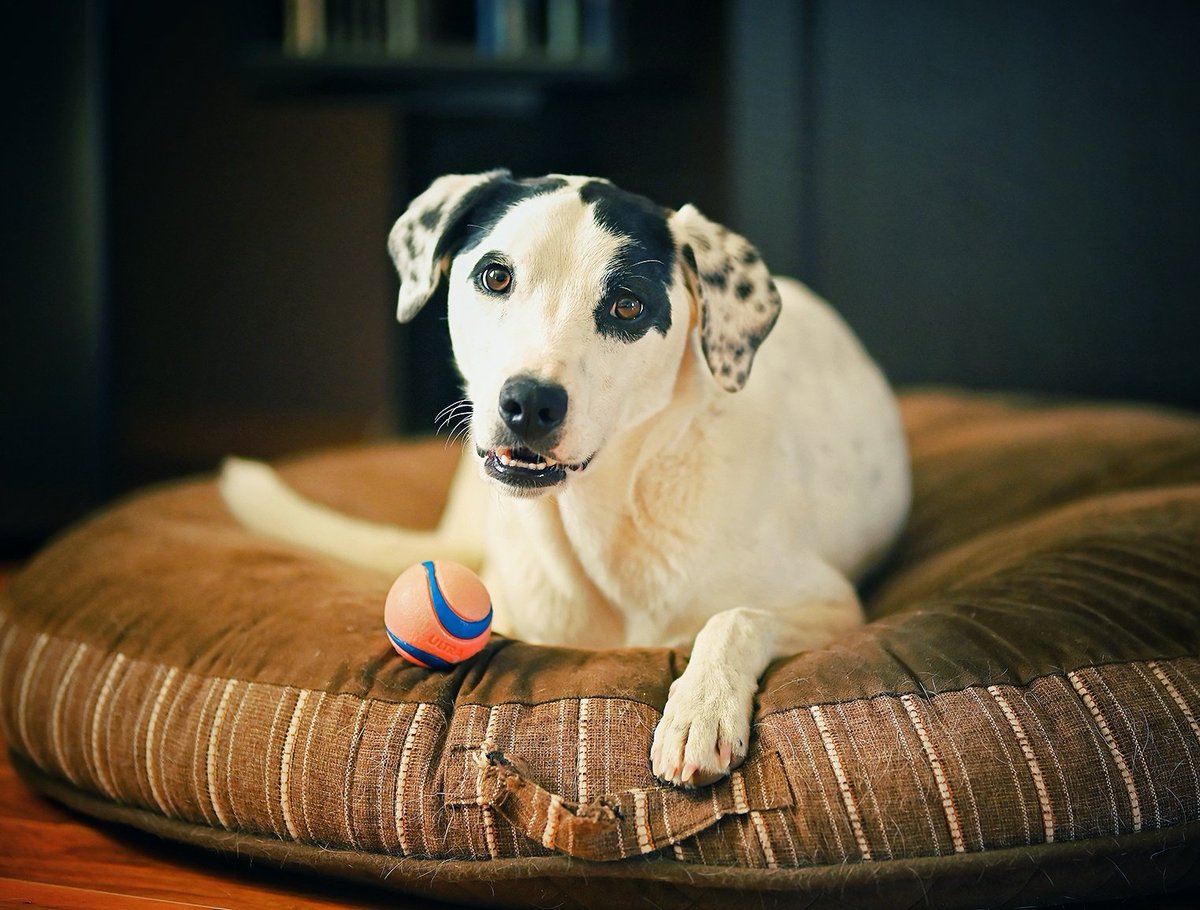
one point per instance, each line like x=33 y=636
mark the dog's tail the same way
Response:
x=264 y=504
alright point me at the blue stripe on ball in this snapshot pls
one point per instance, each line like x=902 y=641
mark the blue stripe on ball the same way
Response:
x=451 y=621
x=424 y=657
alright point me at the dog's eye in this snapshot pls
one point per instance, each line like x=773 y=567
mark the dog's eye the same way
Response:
x=496 y=278
x=627 y=307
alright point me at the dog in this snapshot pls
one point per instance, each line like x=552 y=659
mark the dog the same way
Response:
x=668 y=447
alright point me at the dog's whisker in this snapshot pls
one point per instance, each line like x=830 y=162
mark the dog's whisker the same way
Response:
x=451 y=421
x=452 y=429
x=457 y=424
x=456 y=432
x=454 y=405
x=454 y=411
x=455 y=421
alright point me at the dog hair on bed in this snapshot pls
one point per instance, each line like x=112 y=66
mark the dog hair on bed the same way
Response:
x=667 y=446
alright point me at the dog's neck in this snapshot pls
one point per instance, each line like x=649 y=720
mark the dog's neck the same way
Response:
x=644 y=451
x=624 y=522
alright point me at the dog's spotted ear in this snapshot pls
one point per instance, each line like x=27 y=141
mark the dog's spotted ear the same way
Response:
x=739 y=302
x=423 y=238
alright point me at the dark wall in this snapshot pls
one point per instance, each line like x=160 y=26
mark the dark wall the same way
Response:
x=251 y=287
x=994 y=194
x=53 y=295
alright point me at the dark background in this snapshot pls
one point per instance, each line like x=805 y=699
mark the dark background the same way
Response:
x=995 y=195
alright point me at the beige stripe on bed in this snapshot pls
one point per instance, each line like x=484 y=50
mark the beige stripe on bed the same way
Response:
x=1135 y=803
x=939 y=774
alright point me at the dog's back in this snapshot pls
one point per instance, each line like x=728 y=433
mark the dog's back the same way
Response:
x=819 y=398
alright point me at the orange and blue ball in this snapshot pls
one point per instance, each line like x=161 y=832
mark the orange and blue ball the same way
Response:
x=437 y=614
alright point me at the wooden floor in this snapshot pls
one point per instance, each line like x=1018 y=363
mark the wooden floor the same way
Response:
x=51 y=857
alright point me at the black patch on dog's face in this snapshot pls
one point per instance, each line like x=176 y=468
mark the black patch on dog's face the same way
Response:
x=643 y=265
x=480 y=210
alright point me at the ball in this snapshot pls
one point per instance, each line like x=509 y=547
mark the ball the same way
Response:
x=438 y=614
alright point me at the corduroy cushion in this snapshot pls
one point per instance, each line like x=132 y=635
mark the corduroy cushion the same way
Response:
x=1017 y=725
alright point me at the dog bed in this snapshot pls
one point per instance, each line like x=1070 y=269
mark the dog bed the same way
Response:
x=1018 y=724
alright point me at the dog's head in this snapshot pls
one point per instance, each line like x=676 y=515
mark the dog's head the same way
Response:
x=571 y=305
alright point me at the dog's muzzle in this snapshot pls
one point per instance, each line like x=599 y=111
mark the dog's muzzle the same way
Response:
x=533 y=411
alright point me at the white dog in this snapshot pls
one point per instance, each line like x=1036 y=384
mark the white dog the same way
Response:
x=629 y=482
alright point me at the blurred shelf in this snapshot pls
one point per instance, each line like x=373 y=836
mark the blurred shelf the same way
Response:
x=418 y=47
x=446 y=68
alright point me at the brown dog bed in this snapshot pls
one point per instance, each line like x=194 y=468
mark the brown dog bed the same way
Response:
x=1019 y=724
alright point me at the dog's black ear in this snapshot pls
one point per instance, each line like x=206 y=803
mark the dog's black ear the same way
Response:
x=423 y=238
x=739 y=302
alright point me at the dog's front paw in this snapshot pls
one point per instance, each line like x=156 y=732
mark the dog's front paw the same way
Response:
x=704 y=731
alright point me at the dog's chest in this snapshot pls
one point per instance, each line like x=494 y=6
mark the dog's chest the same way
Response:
x=638 y=552
x=580 y=573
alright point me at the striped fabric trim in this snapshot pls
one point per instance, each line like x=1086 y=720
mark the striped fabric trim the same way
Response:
x=347 y=789
x=1031 y=762
x=1135 y=803
x=481 y=797
x=839 y=774
x=953 y=820
x=400 y=803
x=889 y=776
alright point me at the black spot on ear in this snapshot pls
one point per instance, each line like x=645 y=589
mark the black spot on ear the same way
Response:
x=715 y=279
x=743 y=290
x=750 y=256
x=755 y=339
x=690 y=258
x=429 y=219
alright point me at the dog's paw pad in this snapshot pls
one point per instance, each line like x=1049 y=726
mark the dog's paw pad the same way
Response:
x=702 y=736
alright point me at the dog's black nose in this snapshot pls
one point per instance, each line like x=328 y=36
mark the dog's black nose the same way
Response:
x=532 y=408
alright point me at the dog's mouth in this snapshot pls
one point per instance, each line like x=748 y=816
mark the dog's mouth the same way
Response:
x=525 y=469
